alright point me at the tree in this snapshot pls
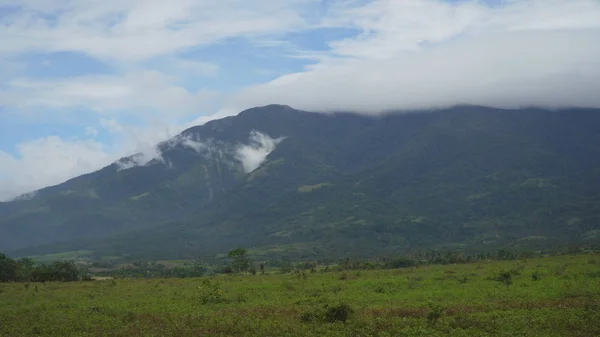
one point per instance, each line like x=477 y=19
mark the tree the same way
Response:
x=26 y=266
x=505 y=277
x=240 y=261
x=8 y=269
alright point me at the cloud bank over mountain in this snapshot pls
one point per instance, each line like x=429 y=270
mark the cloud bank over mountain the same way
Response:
x=546 y=69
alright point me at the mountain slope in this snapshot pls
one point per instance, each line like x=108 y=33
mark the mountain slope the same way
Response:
x=338 y=184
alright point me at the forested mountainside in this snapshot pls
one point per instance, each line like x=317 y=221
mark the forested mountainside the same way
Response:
x=283 y=181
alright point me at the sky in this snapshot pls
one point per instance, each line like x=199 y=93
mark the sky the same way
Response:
x=86 y=82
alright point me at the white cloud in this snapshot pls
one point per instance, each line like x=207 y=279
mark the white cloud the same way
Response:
x=52 y=160
x=419 y=54
x=48 y=161
x=132 y=30
x=390 y=28
x=91 y=131
x=255 y=153
x=143 y=92
x=111 y=125
x=194 y=68
x=139 y=141
x=550 y=69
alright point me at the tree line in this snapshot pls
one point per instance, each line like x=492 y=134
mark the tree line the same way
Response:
x=26 y=270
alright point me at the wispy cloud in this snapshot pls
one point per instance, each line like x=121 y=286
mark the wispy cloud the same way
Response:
x=145 y=92
x=131 y=30
x=255 y=153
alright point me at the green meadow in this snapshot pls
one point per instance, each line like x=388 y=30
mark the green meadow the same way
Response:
x=550 y=296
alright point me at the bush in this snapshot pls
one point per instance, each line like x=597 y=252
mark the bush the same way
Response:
x=309 y=317
x=505 y=278
x=328 y=314
x=435 y=313
x=62 y=271
x=402 y=262
x=211 y=292
x=339 y=313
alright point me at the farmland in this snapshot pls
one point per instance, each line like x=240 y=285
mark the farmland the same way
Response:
x=550 y=296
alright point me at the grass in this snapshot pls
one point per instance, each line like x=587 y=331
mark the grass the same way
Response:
x=62 y=256
x=562 y=299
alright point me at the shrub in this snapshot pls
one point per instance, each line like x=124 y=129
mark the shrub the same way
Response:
x=435 y=313
x=505 y=278
x=300 y=275
x=328 y=314
x=401 y=262
x=339 y=313
x=211 y=292
x=309 y=317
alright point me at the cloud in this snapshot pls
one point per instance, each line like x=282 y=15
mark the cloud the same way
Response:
x=144 y=92
x=47 y=161
x=541 y=68
x=133 y=30
x=91 y=132
x=111 y=125
x=199 y=147
x=138 y=145
x=422 y=54
x=256 y=152
x=196 y=68
x=52 y=160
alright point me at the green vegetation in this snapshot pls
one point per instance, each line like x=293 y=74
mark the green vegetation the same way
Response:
x=74 y=255
x=338 y=185
x=240 y=262
x=435 y=300
x=25 y=270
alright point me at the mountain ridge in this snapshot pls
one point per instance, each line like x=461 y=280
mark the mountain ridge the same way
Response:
x=450 y=177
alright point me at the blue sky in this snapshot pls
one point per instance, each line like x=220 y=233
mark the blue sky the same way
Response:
x=83 y=83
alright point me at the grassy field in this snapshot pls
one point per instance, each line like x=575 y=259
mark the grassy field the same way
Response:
x=74 y=255
x=553 y=296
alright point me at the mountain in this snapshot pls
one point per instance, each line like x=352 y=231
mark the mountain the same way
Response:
x=296 y=183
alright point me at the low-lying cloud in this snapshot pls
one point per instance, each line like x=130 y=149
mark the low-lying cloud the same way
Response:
x=250 y=155
x=256 y=152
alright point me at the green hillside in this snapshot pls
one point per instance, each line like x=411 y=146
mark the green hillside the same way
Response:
x=335 y=185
